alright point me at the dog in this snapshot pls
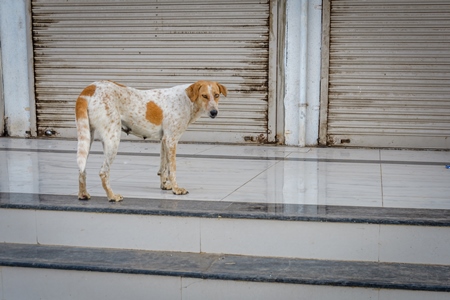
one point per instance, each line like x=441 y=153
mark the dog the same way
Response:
x=107 y=107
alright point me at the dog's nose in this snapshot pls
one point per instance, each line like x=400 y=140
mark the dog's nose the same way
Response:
x=213 y=113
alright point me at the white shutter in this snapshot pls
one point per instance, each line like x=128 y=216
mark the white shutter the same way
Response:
x=154 y=44
x=389 y=73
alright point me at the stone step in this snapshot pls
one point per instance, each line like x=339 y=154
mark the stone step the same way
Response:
x=388 y=235
x=61 y=272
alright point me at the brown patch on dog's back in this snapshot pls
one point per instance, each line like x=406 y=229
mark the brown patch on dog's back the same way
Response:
x=154 y=113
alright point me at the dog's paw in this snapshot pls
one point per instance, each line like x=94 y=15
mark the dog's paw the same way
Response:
x=84 y=196
x=116 y=198
x=166 y=186
x=179 y=191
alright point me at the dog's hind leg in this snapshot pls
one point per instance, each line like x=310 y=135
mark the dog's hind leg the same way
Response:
x=110 y=146
x=84 y=146
x=85 y=137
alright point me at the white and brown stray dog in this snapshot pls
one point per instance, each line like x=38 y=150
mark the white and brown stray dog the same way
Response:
x=108 y=108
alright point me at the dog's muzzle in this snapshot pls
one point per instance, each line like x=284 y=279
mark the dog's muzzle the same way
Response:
x=213 y=113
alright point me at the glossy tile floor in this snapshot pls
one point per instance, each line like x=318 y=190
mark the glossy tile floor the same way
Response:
x=267 y=174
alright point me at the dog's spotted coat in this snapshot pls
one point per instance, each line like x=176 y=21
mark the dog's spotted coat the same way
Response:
x=108 y=108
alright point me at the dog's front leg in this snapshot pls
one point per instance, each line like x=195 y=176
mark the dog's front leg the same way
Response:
x=164 y=167
x=172 y=155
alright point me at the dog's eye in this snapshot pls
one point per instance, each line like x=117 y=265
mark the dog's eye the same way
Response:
x=205 y=96
x=216 y=96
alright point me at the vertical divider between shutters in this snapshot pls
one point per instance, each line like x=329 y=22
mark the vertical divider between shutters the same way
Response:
x=280 y=76
x=324 y=78
x=272 y=70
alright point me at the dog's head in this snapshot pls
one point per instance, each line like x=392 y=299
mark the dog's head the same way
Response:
x=207 y=94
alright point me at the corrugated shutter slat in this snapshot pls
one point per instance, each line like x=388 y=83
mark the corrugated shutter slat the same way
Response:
x=389 y=74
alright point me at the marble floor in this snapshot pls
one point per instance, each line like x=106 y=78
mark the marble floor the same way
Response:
x=265 y=174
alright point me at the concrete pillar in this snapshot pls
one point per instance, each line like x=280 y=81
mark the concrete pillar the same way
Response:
x=17 y=67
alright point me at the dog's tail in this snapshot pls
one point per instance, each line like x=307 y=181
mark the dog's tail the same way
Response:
x=83 y=127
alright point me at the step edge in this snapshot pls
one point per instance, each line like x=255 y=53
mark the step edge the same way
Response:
x=228 y=276
x=231 y=210
x=225 y=215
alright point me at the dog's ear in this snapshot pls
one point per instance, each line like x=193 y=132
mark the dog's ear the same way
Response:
x=222 y=89
x=192 y=91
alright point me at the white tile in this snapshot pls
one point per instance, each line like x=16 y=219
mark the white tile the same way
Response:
x=194 y=289
x=118 y=231
x=415 y=155
x=339 y=153
x=54 y=173
x=192 y=148
x=415 y=244
x=154 y=147
x=412 y=295
x=19 y=143
x=20 y=172
x=284 y=182
x=59 y=144
x=205 y=179
x=300 y=182
x=17 y=226
x=251 y=151
x=314 y=240
x=34 y=172
x=42 y=144
x=145 y=147
x=350 y=184
x=31 y=284
x=416 y=186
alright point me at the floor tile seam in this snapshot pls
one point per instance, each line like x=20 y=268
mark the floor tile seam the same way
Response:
x=204 y=150
x=240 y=157
x=244 y=184
x=382 y=205
x=381 y=180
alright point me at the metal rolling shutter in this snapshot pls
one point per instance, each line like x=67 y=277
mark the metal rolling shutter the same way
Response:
x=154 y=44
x=389 y=73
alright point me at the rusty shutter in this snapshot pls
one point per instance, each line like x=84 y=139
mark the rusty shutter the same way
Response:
x=154 y=44
x=389 y=74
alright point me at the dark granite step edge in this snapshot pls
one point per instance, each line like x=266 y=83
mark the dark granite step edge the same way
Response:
x=229 y=267
x=233 y=210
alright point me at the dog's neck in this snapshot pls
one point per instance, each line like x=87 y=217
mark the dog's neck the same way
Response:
x=196 y=112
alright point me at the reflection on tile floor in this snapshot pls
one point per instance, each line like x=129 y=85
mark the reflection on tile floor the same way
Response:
x=269 y=174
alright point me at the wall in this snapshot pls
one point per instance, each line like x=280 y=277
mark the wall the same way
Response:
x=302 y=67
x=17 y=62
